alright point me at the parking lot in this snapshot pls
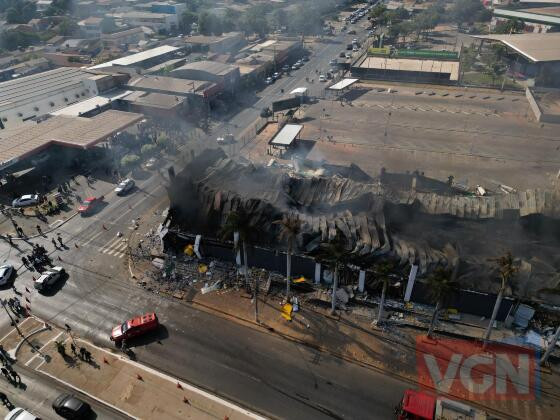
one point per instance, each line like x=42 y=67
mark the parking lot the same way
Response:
x=476 y=136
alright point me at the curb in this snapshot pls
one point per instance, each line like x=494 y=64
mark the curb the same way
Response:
x=14 y=238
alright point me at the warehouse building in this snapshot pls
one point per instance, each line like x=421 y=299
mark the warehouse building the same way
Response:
x=225 y=76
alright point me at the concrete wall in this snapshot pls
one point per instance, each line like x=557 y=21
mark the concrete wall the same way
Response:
x=539 y=114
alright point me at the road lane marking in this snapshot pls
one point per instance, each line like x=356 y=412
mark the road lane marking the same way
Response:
x=45 y=345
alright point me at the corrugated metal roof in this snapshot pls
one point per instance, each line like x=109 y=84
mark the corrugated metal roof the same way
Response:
x=138 y=57
x=536 y=47
x=526 y=16
x=287 y=135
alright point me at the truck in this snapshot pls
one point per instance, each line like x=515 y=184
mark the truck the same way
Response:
x=419 y=405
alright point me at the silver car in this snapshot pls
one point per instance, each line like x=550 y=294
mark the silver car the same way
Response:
x=124 y=186
x=26 y=200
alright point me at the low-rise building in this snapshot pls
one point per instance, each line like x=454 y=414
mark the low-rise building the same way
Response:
x=135 y=63
x=539 y=20
x=225 y=43
x=156 y=21
x=123 y=38
x=91 y=26
x=225 y=76
x=33 y=97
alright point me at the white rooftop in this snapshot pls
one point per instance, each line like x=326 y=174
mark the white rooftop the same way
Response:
x=343 y=84
x=287 y=135
x=536 y=47
x=90 y=104
x=138 y=57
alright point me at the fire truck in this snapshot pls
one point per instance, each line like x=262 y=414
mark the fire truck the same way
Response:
x=418 y=405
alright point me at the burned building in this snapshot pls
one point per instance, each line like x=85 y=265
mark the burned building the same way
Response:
x=429 y=225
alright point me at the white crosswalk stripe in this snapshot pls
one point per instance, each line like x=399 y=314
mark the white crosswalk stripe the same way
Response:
x=116 y=247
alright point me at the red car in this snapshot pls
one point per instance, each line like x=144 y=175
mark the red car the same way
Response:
x=90 y=204
x=135 y=327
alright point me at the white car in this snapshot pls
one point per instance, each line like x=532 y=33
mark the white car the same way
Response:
x=20 y=414
x=124 y=186
x=49 y=278
x=6 y=272
x=322 y=78
x=150 y=163
x=26 y=200
x=269 y=81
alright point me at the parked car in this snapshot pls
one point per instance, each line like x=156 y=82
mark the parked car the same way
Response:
x=342 y=54
x=26 y=200
x=285 y=68
x=124 y=186
x=351 y=32
x=305 y=58
x=6 y=272
x=294 y=67
x=348 y=55
x=71 y=407
x=89 y=205
x=322 y=78
x=355 y=48
x=49 y=278
x=19 y=413
x=333 y=62
x=269 y=81
x=276 y=76
x=134 y=327
x=150 y=163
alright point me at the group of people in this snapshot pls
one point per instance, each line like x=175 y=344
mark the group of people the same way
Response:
x=37 y=259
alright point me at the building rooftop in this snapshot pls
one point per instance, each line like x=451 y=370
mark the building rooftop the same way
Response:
x=406 y=64
x=80 y=108
x=168 y=84
x=210 y=39
x=286 y=136
x=20 y=91
x=213 y=67
x=535 y=47
x=343 y=84
x=28 y=139
x=154 y=100
x=138 y=57
x=528 y=16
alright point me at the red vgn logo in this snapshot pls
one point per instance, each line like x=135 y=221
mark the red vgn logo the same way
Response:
x=463 y=369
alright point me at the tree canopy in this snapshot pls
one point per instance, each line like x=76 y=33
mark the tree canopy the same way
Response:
x=18 y=11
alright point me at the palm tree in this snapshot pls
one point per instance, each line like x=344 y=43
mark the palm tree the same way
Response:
x=290 y=227
x=238 y=222
x=336 y=255
x=383 y=270
x=441 y=285
x=507 y=269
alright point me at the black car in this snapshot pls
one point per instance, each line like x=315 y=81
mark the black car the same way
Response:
x=71 y=407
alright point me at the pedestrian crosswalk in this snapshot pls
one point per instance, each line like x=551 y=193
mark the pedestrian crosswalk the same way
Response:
x=116 y=247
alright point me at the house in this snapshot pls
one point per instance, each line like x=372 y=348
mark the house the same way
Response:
x=91 y=26
x=123 y=38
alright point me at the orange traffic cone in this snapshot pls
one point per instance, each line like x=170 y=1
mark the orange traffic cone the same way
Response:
x=105 y=361
x=179 y=385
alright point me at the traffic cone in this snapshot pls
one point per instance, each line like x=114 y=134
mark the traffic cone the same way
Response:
x=179 y=385
x=105 y=361
x=186 y=400
x=139 y=377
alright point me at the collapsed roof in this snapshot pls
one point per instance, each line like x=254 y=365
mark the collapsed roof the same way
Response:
x=375 y=219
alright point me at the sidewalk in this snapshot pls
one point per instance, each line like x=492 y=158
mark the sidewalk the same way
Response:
x=112 y=379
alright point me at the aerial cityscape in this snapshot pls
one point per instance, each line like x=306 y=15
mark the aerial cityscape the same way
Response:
x=286 y=209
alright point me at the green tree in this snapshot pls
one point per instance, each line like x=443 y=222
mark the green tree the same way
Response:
x=377 y=11
x=205 y=23
x=187 y=19
x=59 y=8
x=468 y=11
x=290 y=228
x=494 y=69
x=130 y=161
x=148 y=149
x=507 y=270
x=511 y=26
x=18 y=11
x=441 y=285
x=67 y=27
x=12 y=40
x=254 y=20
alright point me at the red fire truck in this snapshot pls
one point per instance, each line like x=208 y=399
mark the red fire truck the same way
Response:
x=418 y=405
